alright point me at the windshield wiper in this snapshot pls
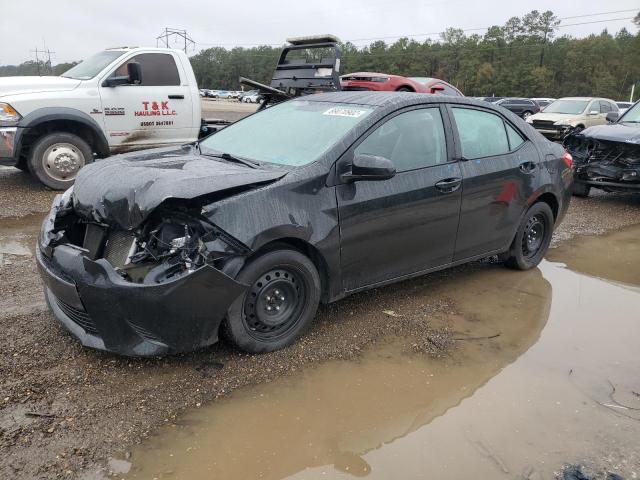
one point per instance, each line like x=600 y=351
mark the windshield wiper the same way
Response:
x=230 y=158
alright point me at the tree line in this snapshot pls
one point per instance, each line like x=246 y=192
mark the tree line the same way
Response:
x=524 y=57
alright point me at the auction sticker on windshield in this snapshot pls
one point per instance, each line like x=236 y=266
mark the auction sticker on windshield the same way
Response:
x=345 y=112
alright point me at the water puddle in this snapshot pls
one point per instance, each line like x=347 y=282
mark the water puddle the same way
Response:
x=615 y=256
x=17 y=235
x=545 y=373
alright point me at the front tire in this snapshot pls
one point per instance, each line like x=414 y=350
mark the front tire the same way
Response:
x=581 y=189
x=532 y=238
x=56 y=158
x=282 y=299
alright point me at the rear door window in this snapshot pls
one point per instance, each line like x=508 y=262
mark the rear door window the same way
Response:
x=482 y=134
x=515 y=139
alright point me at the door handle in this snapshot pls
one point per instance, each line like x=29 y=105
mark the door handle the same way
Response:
x=449 y=185
x=176 y=97
x=527 y=167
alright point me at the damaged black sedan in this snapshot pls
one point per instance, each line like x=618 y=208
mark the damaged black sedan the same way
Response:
x=608 y=156
x=305 y=202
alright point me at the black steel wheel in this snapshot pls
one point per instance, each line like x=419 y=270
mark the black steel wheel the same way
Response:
x=281 y=301
x=534 y=234
x=532 y=238
x=274 y=303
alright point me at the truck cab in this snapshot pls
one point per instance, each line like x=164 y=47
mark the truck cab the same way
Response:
x=118 y=100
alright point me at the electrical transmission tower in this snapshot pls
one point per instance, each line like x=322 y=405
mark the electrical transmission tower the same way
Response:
x=46 y=54
x=178 y=36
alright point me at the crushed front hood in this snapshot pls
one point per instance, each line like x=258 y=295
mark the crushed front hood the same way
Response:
x=619 y=132
x=123 y=190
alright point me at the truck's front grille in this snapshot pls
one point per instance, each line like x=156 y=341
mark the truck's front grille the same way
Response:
x=77 y=316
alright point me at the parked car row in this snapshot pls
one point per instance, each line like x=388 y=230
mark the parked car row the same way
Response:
x=204 y=92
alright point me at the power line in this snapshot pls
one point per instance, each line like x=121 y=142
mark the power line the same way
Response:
x=429 y=34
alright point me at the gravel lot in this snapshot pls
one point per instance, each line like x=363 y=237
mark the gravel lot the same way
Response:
x=65 y=409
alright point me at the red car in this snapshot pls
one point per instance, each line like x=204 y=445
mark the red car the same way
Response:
x=397 y=83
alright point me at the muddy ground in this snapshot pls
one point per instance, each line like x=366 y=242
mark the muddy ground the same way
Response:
x=66 y=410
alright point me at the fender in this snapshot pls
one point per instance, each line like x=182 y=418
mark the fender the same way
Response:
x=47 y=114
x=533 y=198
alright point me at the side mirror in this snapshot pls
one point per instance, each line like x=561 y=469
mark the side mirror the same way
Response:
x=134 y=69
x=437 y=88
x=369 y=167
x=612 y=117
x=133 y=77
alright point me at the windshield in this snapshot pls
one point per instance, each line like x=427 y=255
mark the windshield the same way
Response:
x=571 y=107
x=93 y=65
x=292 y=133
x=632 y=115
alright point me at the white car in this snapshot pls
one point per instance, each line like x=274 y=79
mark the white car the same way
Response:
x=118 y=100
x=624 y=106
x=254 y=98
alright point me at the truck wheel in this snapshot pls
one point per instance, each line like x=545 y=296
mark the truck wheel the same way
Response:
x=56 y=158
x=580 y=189
x=532 y=238
x=282 y=299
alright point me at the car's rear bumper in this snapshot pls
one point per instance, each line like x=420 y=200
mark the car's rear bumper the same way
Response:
x=106 y=312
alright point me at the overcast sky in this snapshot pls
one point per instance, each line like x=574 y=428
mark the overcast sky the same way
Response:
x=74 y=29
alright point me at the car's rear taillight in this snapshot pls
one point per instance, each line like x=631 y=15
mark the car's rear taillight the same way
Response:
x=567 y=159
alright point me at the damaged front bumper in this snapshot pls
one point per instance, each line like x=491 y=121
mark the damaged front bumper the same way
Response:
x=609 y=165
x=108 y=312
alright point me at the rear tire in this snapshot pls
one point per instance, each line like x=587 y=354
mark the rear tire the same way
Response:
x=56 y=158
x=532 y=238
x=581 y=189
x=282 y=299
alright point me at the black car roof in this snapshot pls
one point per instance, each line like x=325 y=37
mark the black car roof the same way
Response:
x=383 y=99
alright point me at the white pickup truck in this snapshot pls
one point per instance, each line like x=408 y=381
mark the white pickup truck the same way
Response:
x=118 y=100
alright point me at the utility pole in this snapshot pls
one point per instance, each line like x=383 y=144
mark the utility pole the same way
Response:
x=164 y=38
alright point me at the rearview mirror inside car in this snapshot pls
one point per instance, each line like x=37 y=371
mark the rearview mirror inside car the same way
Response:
x=612 y=117
x=369 y=167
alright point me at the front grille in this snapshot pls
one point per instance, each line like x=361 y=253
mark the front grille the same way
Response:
x=546 y=124
x=118 y=248
x=78 y=316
